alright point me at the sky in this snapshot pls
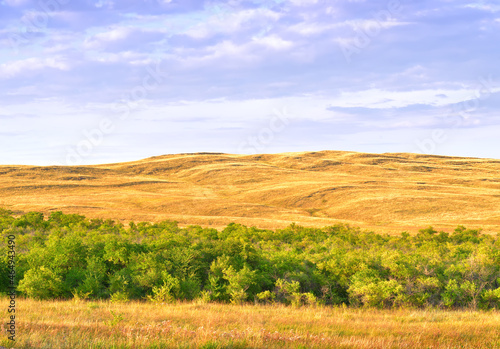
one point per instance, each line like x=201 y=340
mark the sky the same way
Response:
x=100 y=81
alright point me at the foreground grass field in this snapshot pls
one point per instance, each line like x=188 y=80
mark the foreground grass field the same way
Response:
x=70 y=324
x=386 y=193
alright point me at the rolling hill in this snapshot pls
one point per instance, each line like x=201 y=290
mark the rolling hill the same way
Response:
x=383 y=192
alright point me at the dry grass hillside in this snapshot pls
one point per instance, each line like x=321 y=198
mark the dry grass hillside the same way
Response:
x=382 y=192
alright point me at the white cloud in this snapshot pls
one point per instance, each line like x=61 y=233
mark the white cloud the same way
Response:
x=26 y=66
x=274 y=42
x=16 y=2
x=381 y=99
x=311 y=28
x=102 y=39
x=485 y=7
x=226 y=51
x=126 y=57
x=304 y=2
x=232 y=22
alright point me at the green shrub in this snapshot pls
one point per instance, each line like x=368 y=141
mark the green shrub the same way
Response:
x=458 y=295
x=71 y=256
x=168 y=292
x=42 y=283
x=369 y=290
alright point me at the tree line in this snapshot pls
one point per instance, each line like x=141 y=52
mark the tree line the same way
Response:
x=66 y=256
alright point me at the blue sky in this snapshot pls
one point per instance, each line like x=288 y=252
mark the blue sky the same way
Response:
x=85 y=82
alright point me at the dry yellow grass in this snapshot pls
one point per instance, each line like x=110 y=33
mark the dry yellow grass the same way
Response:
x=75 y=325
x=382 y=192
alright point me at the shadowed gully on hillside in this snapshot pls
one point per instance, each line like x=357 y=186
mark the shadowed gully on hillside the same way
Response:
x=384 y=192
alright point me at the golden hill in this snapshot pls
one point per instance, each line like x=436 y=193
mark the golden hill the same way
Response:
x=382 y=192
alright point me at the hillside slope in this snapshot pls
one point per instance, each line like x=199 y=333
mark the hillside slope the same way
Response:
x=383 y=192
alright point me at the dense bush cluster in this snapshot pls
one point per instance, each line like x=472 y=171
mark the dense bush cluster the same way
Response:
x=68 y=256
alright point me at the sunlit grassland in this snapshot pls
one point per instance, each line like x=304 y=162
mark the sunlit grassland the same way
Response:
x=78 y=324
x=379 y=192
